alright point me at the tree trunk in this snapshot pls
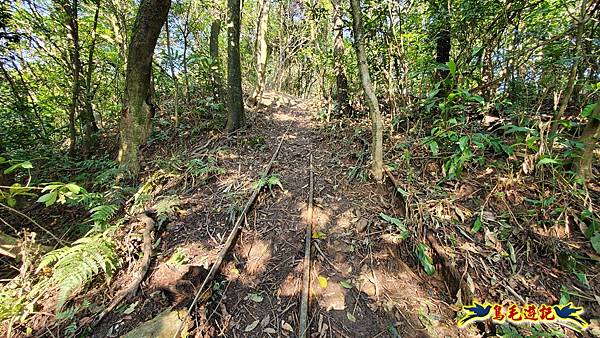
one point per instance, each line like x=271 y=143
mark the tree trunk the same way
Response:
x=260 y=51
x=136 y=115
x=87 y=116
x=572 y=74
x=588 y=137
x=73 y=34
x=376 y=123
x=216 y=77
x=235 y=118
x=442 y=44
x=172 y=68
x=338 y=56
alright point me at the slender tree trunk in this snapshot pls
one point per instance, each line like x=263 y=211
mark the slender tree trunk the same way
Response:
x=172 y=68
x=260 y=51
x=136 y=116
x=235 y=118
x=87 y=116
x=573 y=72
x=376 y=123
x=588 y=137
x=338 y=56
x=216 y=75
x=442 y=43
x=73 y=32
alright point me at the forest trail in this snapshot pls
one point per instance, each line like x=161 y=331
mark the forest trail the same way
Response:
x=351 y=295
x=360 y=286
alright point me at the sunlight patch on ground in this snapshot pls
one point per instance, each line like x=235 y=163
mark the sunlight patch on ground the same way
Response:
x=292 y=283
x=330 y=294
x=285 y=117
x=257 y=254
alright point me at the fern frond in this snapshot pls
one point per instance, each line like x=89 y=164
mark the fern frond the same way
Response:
x=103 y=213
x=75 y=266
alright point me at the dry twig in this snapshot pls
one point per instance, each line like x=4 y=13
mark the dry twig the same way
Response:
x=303 y=329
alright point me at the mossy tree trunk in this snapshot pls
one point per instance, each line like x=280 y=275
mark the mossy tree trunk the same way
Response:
x=136 y=116
x=235 y=103
x=376 y=123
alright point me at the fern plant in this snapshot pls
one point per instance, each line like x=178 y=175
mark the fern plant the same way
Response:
x=75 y=266
x=102 y=214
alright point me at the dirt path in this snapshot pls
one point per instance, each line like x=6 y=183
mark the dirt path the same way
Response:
x=359 y=285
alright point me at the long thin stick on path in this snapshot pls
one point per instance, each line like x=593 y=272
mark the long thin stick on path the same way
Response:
x=232 y=236
x=303 y=329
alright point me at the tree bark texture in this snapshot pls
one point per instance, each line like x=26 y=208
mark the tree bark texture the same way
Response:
x=376 y=123
x=260 y=51
x=87 y=116
x=73 y=35
x=338 y=55
x=136 y=116
x=589 y=136
x=216 y=75
x=235 y=103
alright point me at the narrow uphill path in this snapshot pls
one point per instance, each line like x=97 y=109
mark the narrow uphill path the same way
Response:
x=361 y=283
x=360 y=286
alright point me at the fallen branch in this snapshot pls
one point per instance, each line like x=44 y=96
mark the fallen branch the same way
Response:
x=303 y=329
x=140 y=274
x=232 y=236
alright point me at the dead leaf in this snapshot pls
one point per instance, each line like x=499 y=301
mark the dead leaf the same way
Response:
x=265 y=320
x=287 y=327
x=270 y=330
x=255 y=297
x=251 y=326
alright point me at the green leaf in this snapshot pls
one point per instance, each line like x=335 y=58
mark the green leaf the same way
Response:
x=393 y=331
x=477 y=225
x=11 y=201
x=451 y=67
x=393 y=220
x=587 y=111
x=596 y=242
x=49 y=198
x=462 y=143
x=402 y=191
x=350 y=317
x=548 y=160
x=582 y=278
x=424 y=259
x=433 y=146
x=565 y=296
x=346 y=284
x=74 y=188
x=478 y=98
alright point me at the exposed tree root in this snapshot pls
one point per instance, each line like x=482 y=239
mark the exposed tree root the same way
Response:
x=140 y=274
